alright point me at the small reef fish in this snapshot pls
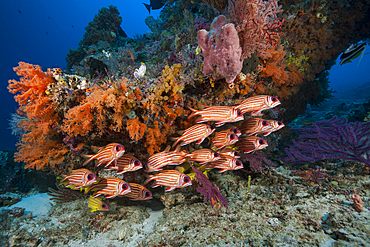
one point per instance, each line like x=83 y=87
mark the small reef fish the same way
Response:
x=223 y=139
x=197 y=132
x=218 y=114
x=171 y=178
x=159 y=160
x=203 y=156
x=226 y=163
x=126 y=163
x=236 y=131
x=254 y=126
x=251 y=143
x=96 y=204
x=203 y=169
x=274 y=126
x=154 y=4
x=80 y=178
x=139 y=193
x=140 y=72
x=111 y=187
x=352 y=52
x=229 y=152
x=108 y=154
x=256 y=104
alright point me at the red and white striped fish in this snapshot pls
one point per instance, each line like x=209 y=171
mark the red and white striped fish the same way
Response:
x=197 y=133
x=171 y=178
x=254 y=126
x=251 y=143
x=159 y=160
x=203 y=156
x=274 y=126
x=229 y=152
x=80 y=178
x=111 y=187
x=226 y=163
x=126 y=163
x=139 y=193
x=224 y=138
x=218 y=114
x=107 y=154
x=236 y=131
x=256 y=104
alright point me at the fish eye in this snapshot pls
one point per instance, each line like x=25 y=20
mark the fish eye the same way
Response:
x=236 y=154
x=186 y=179
x=147 y=194
x=261 y=142
x=238 y=163
x=119 y=148
x=124 y=186
x=280 y=123
x=136 y=163
x=264 y=123
x=239 y=113
x=90 y=177
x=232 y=136
x=104 y=205
x=216 y=155
x=274 y=99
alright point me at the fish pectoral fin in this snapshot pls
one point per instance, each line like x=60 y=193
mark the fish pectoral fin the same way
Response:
x=219 y=123
x=169 y=188
x=110 y=196
x=267 y=133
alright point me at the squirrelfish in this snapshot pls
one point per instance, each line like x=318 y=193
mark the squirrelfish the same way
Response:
x=254 y=126
x=197 y=133
x=219 y=114
x=80 y=178
x=159 y=160
x=111 y=187
x=229 y=152
x=251 y=143
x=171 y=178
x=203 y=156
x=256 y=104
x=96 y=204
x=224 y=138
x=139 y=192
x=107 y=154
x=274 y=126
x=226 y=163
x=126 y=163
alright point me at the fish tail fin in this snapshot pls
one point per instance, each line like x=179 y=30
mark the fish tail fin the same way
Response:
x=148 y=178
x=87 y=156
x=147 y=7
x=176 y=141
x=362 y=54
x=194 y=112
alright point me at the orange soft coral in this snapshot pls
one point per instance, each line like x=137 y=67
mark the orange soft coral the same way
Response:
x=136 y=129
x=37 y=147
x=30 y=90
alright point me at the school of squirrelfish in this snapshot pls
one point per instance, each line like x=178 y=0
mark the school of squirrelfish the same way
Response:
x=222 y=154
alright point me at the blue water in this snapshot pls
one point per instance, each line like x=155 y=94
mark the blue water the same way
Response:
x=43 y=33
